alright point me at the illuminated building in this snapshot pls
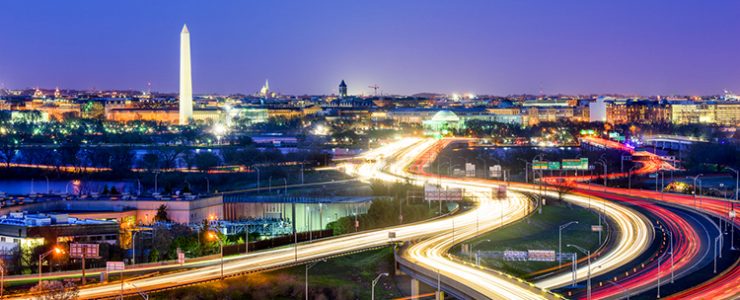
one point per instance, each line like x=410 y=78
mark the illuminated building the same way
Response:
x=265 y=90
x=641 y=111
x=597 y=110
x=27 y=231
x=186 y=84
x=162 y=115
x=535 y=115
x=710 y=112
x=342 y=89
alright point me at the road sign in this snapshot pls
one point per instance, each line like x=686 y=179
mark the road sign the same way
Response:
x=114 y=266
x=575 y=164
x=539 y=165
x=77 y=250
x=495 y=171
x=391 y=234
x=545 y=165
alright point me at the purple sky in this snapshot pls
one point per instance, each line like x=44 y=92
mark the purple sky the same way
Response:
x=307 y=47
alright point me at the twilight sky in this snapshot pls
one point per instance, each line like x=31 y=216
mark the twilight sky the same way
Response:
x=307 y=47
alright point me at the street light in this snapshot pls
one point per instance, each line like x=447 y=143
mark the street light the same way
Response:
x=213 y=236
x=308 y=267
x=375 y=281
x=56 y=250
x=695 y=178
x=472 y=246
x=629 y=177
x=588 y=255
x=526 y=169
x=670 y=234
x=626 y=291
x=603 y=163
x=737 y=182
x=560 y=239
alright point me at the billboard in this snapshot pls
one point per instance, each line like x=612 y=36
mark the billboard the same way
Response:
x=114 y=266
x=495 y=171
x=575 y=164
x=436 y=193
x=469 y=170
x=78 y=250
x=541 y=255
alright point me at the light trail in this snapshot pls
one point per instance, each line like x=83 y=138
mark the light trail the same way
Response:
x=634 y=231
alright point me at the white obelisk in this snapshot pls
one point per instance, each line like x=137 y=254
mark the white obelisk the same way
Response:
x=186 y=82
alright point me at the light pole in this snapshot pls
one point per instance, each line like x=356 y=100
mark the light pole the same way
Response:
x=629 y=177
x=156 y=174
x=212 y=235
x=560 y=239
x=737 y=182
x=308 y=267
x=603 y=163
x=526 y=169
x=258 y=179
x=57 y=250
x=670 y=234
x=732 y=230
x=472 y=246
x=375 y=281
x=2 y=279
x=626 y=291
x=588 y=255
x=695 y=178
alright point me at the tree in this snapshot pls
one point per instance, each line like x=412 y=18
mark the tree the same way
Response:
x=206 y=161
x=8 y=148
x=56 y=290
x=150 y=162
x=161 y=215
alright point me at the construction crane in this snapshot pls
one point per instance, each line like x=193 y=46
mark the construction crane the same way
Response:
x=375 y=88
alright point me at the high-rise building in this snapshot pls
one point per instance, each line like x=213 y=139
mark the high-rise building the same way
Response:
x=342 y=89
x=186 y=83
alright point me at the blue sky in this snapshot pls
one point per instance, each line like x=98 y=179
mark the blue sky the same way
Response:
x=307 y=47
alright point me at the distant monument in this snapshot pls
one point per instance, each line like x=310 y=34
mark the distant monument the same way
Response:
x=342 y=89
x=186 y=82
x=265 y=90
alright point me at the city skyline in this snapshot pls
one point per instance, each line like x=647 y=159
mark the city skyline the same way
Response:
x=482 y=48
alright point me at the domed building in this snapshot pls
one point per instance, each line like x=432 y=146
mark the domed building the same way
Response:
x=442 y=123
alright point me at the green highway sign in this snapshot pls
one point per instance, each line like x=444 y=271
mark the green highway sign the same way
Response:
x=545 y=165
x=575 y=164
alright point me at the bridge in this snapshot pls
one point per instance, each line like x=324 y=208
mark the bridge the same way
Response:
x=672 y=142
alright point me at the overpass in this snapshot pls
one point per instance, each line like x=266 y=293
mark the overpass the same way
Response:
x=672 y=142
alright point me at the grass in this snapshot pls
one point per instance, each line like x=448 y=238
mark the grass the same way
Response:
x=347 y=277
x=538 y=232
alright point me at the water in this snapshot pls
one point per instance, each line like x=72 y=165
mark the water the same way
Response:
x=23 y=187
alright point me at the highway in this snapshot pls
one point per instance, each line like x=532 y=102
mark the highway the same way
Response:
x=403 y=161
x=305 y=252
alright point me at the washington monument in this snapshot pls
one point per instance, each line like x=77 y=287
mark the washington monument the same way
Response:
x=186 y=83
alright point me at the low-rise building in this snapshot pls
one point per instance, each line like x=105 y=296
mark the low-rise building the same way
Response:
x=19 y=230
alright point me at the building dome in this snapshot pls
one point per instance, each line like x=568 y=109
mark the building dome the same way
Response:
x=445 y=116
